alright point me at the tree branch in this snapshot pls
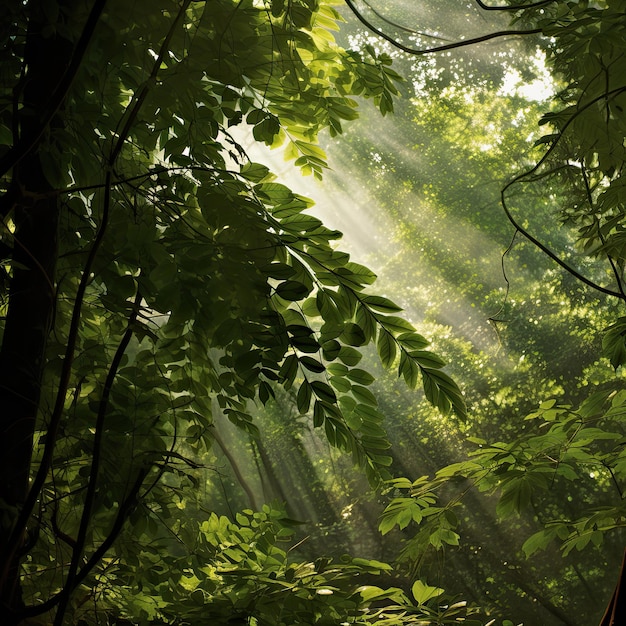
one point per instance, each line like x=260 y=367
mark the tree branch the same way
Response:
x=125 y=509
x=138 y=99
x=450 y=46
x=64 y=379
x=513 y=7
x=568 y=268
x=524 y=177
x=406 y=29
x=46 y=460
x=588 y=191
x=90 y=496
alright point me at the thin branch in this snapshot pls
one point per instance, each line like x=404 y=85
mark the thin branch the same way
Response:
x=450 y=46
x=557 y=259
x=138 y=99
x=513 y=7
x=552 y=148
x=92 y=485
x=55 y=419
x=121 y=181
x=233 y=463
x=616 y=273
x=493 y=319
x=614 y=479
x=524 y=177
x=406 y=29
x=64 y=380
x=125 y=509
x=70 y=541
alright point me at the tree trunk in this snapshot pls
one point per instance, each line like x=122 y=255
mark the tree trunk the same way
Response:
x=30 y=315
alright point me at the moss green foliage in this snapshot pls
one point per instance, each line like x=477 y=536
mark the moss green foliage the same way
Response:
x=154 y=275
x=158 y=284
x=560 y=465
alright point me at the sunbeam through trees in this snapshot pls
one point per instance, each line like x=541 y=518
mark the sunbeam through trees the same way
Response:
x=212 y=411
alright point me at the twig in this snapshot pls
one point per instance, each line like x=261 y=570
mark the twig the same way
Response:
x=423 y=51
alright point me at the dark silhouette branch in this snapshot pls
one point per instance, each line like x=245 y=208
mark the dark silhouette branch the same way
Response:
x=513 y=7
x=118 y=182
x=423 y=51
x=525 y=177
x=124 y=511
x=495 y=318
x=70 y=541
x=92 y=486
x=64 y=380
x=406 y=29
x=557 y=259
x=614 y=268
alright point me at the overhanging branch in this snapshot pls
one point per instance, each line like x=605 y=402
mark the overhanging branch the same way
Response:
x=450 y=46
x=531 y=174
x=513 y=7
x=94 y=471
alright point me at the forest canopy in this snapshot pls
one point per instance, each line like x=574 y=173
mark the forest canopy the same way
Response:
x=188 y=356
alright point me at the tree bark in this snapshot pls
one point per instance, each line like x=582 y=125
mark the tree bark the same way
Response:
x=35 y=214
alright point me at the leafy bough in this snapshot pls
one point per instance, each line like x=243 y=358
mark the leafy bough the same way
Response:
x=585 y=444
x=318 y=319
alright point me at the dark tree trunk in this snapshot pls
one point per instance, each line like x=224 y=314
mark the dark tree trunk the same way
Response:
x=615 y=613
x=35 y=214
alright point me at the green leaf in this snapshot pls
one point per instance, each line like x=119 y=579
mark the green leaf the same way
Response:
x=442 y=392
x=427 y=359
x=306 y=344
x=386 y=347
x=304 y=397
x=355 y=276
x=311 y=364
x=292 y=290
x=614 y=343
x=265 y=392
x=395 y=324
x=288 y=371
x=353 y=335
x=331 y=349
x=340 y=384
x=409 y=369
x=412 y=341
x=318 y=414
x=515 y=498
x=279 y=271
x=360 y=376
x=327 y=307
x=323 y=391
x=538 y=541
x=254 y=172
x=423 y=592
x=349 y=356
x=381 y=304
x=364 y=395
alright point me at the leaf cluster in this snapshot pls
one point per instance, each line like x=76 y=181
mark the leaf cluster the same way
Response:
x=241 y=570
x=188 y=280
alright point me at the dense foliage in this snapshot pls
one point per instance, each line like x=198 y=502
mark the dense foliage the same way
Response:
x=583 y=163
x=154 y=275
x=161 y=290
x=564 y=463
